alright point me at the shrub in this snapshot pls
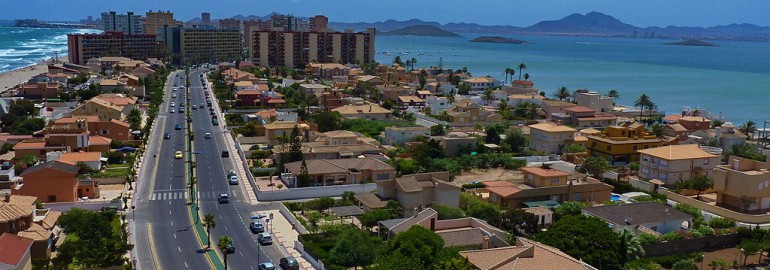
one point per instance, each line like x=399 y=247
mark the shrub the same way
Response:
x=473 y=185
x=446 y=212
x=646 y=239
x=695 y=212
x=115 y=157
x=721 y=223
x=670 y=260
x=670 y=236
x=703 y=231
x=293 y=206
x=260 y=154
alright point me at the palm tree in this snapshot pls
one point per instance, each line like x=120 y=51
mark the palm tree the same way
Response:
x=562 y=93
x=630 y=246
x=507 y=72
x=748 y=128
x=521 y=66
x=526 y=76
x=657 y=130
x=613 y=94
x=642 y=102
x=651 y=106
x=225 y=242
x=414 y=61
x=408 y=62
x=489 y=95
x=209 y=223
x=451 y=97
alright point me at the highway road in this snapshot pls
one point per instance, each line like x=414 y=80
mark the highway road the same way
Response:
x=163 y=227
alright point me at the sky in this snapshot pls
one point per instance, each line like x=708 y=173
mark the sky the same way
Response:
x=486 y=12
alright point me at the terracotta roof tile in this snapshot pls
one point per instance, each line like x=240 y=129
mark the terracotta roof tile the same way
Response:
x=543 y=172
x=677 y=152
x=13 y=249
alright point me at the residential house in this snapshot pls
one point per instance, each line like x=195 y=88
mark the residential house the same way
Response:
x=438 y=105
x=312 y=88
x=40 y=90
x=480 y=84
x=693 y=123
x=327 y=172
x=36 y=147
x=336 y=144
x=456 y=143
x=582 y=117
x=546 y=186
x=417 y=191
x=518 y=99
x=521 y=87
x=526 y=254
x=50 y=182
x=595 y=101
x=392 y=92
x=50 y=77
x=543 y=214
x=550 y=138
x=642 y=217
x=107 y=107
x=410 y=102
x=15 y=252
x=373 y=80
x=676 y=133
x=112 y=86
x=742 y=184
x=726 y=135
x=91 y=159
x=423 y=94
x=326 y=71
x=398 y=135
x=249 y=97
x=462 y=233
x=620 y=144
x=674 y=163
x=369 y=111
x=331 y=99
x=141 y=72
x=465 y=111
x=243 y=85
x=555 y=106
x=112 y=129
x=16 y=213
x=278 y=129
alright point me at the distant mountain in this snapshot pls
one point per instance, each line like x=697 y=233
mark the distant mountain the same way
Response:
x=693 y=42
x=591 y=23
x=420 y=30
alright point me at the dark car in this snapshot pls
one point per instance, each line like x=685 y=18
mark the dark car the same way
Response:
x=224 y=198
x=167 y=136
x=256 y=227
x=289 y=263
x=178 y=127
x=215 y=122
x=225 y=153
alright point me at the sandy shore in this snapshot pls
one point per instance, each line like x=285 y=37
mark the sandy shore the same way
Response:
x=10 y=79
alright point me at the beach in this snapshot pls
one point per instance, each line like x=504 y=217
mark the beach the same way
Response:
x=9 y=79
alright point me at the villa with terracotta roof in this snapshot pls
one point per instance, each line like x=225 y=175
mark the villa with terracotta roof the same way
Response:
x=620 y=144
x=555 y=106
x=581 y=117
x=674 y=163
x=479 y=84
x=413 y=192
x=91 y=159
x=335 y=144
x=18 y=215
x=545 y=185
x=327 y=71
x=327 y=172
x=141 y=72
x=15 y=253
x=277 y=129
x=694 y=123
x=465 y=111
x=521 y=87
x=524 y=255
x=550 y=138
x=40 y=90
x=107 y=107
x=406 y=102
x=369 y=111
x=50 y=182
x=113 y=129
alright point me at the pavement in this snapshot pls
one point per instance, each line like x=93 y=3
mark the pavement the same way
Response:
x=285 y=235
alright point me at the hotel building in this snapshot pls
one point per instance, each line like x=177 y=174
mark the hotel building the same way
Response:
x=129 y=23
x=290 y=49
x=82 y=47
x=200 y=45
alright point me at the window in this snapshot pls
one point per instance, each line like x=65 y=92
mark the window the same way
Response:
x=383 y=176
x=609 y=147
x=662 y=175
x=644 y=158
x=706 y=161
x=577 y=197
x=645 y=170
x=636 y=147
x=664 y=163
x=530 y=176
x=554 y=181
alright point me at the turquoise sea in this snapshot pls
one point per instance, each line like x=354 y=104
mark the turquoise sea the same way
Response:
x=733 y=79
x=20 y=47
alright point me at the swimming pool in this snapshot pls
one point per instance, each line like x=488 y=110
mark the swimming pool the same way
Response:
x=615 y=197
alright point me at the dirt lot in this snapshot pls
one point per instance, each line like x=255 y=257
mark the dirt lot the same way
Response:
x=484 y=175
x=730 y=254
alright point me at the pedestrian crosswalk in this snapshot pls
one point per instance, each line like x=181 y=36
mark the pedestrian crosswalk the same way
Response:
x=169 y=195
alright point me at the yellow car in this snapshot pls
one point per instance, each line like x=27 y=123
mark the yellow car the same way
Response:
x=178 y=155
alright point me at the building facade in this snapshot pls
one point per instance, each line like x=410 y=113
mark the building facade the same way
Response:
x=157 y=20
x=82 y=47
x=743 y=184
x=201 y=45
x=129 y=23
x=620 y=144
x=676 y=163
x=290 y=49
x=550 y=138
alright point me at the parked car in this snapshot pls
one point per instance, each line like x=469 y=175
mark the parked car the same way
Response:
x=223 y=198
x=257 y=227
x=194 y=107
x=233 y=180
x=266 y=266
x=231 y=173
x=265 y=239
x=225 y=153
x=289 y=263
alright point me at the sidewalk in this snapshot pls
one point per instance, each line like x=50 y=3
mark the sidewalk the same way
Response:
x=285 y=236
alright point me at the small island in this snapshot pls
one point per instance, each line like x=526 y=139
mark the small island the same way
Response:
x=693 y=42
x=490 y=39
x=421 y=30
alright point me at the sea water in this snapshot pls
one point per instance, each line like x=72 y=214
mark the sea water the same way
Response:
x=732 y=79
x=20 y=47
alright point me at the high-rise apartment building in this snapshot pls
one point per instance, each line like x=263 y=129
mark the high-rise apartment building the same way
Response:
x=156 y=20
x=129 y=23
x=195 y=45
x=253 y=25
x=319 y=23
x=230 y=24
x=82 y=47
x=206 y=18
x=290 y=49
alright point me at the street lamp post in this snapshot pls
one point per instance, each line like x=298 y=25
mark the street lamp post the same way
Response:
x=133 y=212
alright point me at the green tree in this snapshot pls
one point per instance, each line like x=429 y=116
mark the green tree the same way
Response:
x=481 y=209
x=488 y=96
x=225 y=242
x=517 y=220
x=562 y=93
x=210 y=223
x=642 y=102
x=596 y=166
x=569 y=209
x=397 y=60
x=438 y=130
x=574 y=148
x=630 y=247
x=327 y=120
x=303 y=179
x=749 y=128
x=463 y=88
x=446 y=212
x=521 y=66
x=354 y=248
x=749 y=247
x=516 y=140
x=586 y=238
x=687 y=264
x=371 y=218
x=28 y=126
x=492 y=136
x=613 y=94
x=719 y=263
x=394 y=208
x=746 y=151
x=701 y=183
x=388 y=261
x=134 y=118
x=418 y=242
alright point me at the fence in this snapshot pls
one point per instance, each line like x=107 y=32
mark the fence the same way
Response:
x=313 y=192
x=688 y=245
x=641 y=185
x=317 y=264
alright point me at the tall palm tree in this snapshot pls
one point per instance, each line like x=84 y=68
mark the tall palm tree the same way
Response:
x=630 y=246
x=225 y=242
x=651 y=106
x=642 y=102
x=521 y=66
x=507 y=72
x=408 y=62
x=209 y=223
x=488 y=95
x=749 y=128
x=414 y=61
x=562 y=93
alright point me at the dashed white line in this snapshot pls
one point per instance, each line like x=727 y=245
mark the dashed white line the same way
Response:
x=180 y=249
x=185 y=265
x=174 y=235
x=172 y=223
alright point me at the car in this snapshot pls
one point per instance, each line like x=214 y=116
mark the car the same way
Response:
x=181 y=105
x=175 y=88
x=231 y=173
x=213 y=113
x=256 y=227
x=172 y=111
x=202 y=105
x=167 y=136
x=178 y=127
x=194 y=107
x=207 y=135
x=178 y=154
x=266 y=266
x=289 y=263
x=214 y=122
x=233 y=180
x=225 y=153
x=223 y=198
x=173 y=104
x=180 y=111
x=265 y=239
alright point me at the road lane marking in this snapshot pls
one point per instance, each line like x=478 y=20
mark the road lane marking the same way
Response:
x=152 y=247
x=179 y=248
x=172 y=223
x=185 y=265
x=174 y=235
